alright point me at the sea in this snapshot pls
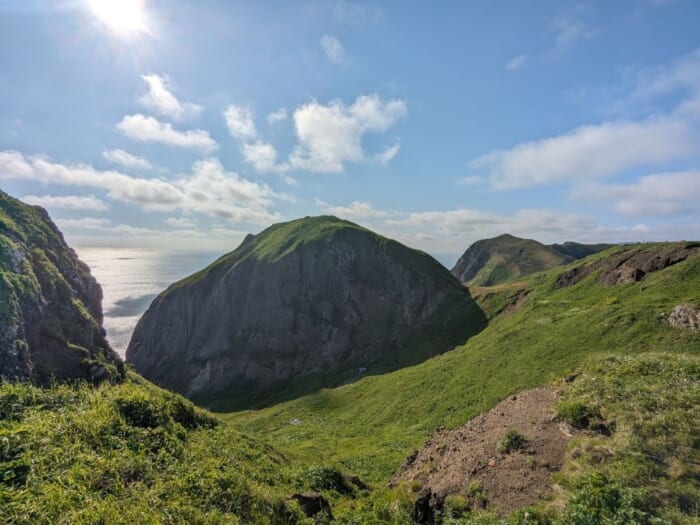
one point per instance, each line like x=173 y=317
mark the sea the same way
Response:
x=132 y=278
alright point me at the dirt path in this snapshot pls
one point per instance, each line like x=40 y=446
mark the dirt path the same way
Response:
x=467 y=461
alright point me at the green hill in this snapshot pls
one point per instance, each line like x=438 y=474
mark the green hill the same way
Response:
x=614 y=332
x=302 y=305
x=492 y=261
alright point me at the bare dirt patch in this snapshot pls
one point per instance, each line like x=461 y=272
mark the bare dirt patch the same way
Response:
x=471 y=462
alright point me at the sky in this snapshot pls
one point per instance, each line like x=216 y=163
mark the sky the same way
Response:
x=185 y=125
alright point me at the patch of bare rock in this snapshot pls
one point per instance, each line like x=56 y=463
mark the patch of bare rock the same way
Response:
x=684 y=316
x=629 y=266
x=471 y=462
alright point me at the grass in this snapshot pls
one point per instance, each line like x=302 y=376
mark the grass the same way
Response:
x=135 y=453
x=370 y=426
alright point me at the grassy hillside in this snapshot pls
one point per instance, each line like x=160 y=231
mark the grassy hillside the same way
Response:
x=370 y=426
x=133 y=453
x=493 y=261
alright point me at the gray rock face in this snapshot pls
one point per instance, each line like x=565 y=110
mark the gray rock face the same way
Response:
x=50 y=305
x=684 y=316
x=302 y=305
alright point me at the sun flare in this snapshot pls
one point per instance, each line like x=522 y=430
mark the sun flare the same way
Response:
x=124 y=17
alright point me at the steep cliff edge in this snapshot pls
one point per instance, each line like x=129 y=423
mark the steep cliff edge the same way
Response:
x=50 y=305
x=304 y=304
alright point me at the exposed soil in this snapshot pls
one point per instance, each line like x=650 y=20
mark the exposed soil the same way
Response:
x=467 y=461
x=517 y=301
x=628 y=267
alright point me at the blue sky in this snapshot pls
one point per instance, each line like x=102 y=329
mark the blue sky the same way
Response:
x=185 y=125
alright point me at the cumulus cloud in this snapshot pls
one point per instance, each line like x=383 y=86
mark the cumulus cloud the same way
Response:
x=240 y=123
x=277 y=116
x=386 y=156
x=208 y=190
x=66 y=202
x=262 y=156
x=160 y=99
x=84 y=223
x=330 y=135
x=148 y=129
x=589 y=152
x=180 y=222
x=658 y=194
x=123 y=158
x=333 y=49
x=356 y=211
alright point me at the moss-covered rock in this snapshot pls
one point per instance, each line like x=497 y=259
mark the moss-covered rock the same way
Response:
x=50 y=305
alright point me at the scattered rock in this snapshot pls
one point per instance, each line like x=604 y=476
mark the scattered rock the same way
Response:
x=684 y=316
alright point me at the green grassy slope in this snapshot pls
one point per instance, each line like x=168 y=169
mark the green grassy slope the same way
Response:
x=493 y=261
x=370 y=426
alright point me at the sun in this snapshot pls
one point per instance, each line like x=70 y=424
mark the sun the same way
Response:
x=123 y=17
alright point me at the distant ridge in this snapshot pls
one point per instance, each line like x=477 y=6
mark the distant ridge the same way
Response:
x=493 y=261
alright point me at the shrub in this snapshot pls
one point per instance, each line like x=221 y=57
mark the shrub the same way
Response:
x=513 y=440
x=577 y=413
x=456 y=506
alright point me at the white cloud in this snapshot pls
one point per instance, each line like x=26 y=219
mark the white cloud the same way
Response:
x=356 y=211
x=263 y=157
x=682 y=74
x=66 y=202
x=180 y=223
x=333 y=49
x=453 y=231
x=516 y=63
x=207 y=190
x=84 y=223
x=277 y=116
x=240 y=123
x=386 y=156
x=123 y=158
x=658 y=194
x=329 y=136
x=148 y=129
x=589 y=152
x=160 y=100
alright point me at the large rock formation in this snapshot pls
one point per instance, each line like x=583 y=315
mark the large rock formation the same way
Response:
x=304 y=304
x=493 y=261
x=50 y=305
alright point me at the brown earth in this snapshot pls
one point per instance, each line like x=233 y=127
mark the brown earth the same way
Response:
x=468 y=462
x=628 y=267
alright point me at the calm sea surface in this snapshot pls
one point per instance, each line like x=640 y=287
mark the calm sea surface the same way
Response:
x=131 y=279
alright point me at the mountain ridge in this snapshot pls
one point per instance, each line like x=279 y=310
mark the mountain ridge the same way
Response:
x=492 y=261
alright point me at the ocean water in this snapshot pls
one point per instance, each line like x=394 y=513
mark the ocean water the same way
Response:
x=131 y=279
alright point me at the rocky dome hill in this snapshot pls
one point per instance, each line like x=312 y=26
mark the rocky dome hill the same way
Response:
x=50 y=305
x=492 y=261
x=304 y=304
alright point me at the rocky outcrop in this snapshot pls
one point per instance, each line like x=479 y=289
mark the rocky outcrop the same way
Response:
x=684 y=316
x=50 y=305
x=302 y=305
x=630 y=265
x=492 y=261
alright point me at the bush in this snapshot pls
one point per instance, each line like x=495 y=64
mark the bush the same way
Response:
x=327 y=478
x=513 y=440
x=577 y=413
x=456 y=506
